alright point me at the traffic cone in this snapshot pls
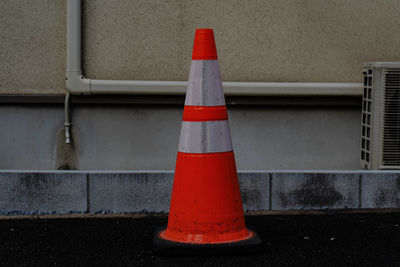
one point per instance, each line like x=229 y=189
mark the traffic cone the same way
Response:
x=206 y=214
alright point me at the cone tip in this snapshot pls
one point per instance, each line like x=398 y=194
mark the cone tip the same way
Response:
x=204 y=45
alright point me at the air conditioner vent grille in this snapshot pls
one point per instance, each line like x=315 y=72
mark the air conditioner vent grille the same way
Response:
x=366 y=118
x=391 y=118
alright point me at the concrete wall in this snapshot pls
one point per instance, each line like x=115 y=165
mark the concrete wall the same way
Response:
x=92 y=192
x=32 y=46
x=146 y=137
x=275 y=40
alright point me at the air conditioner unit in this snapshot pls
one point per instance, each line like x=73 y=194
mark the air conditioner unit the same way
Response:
x=380 y=120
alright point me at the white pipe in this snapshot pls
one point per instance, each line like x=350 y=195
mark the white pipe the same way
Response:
x=230 y=88
x=67 y=121
x=137 y=87
x=74 y=35
x=77 y=84
x=292 y=89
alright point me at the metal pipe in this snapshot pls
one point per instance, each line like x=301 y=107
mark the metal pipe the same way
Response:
x=75 y=82
x=137 y=87
x=67 y=122
x=230 y=88
x=74 y=35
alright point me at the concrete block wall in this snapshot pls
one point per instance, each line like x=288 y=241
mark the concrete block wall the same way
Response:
x=93 y=192
x=43 y=193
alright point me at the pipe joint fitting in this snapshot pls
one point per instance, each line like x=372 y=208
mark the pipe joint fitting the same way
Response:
x=76 y=84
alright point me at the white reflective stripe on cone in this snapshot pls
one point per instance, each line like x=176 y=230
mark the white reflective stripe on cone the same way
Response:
x=205 y=137
x=204 y=86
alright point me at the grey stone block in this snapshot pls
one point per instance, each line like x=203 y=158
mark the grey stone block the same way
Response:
x=120 y=192
x=380 y=190
x=60 y=192
x=254 y=187
x=42 y=193
x=151 y=192
x=315 y=190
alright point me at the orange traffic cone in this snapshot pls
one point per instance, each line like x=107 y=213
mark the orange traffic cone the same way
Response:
x=206 y=214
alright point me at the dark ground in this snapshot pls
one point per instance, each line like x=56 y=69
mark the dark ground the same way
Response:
x=296 y=240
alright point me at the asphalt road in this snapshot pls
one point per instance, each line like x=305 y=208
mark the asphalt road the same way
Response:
x=296 y=240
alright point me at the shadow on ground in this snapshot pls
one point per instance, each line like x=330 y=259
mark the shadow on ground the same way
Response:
x=297 y=240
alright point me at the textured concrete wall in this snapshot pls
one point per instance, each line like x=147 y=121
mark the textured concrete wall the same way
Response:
x=146 y=138
x=32 y=46
x=259 y=40
x=60 y=192
x=43 y=192
x=275 y=40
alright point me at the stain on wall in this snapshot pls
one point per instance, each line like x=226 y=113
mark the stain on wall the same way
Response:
x=314 y=190
x=66 y=154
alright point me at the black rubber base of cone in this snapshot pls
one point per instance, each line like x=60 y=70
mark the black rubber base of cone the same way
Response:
x=165 y=247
